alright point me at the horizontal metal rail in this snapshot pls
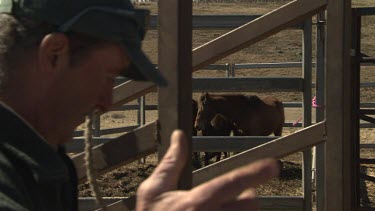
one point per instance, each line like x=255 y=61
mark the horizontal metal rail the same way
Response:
x=367 y=60
x=282 y=65
x=155 y=107
x=368 y=105
x=200 y=143
x=367 y=146
x=268 y=65
x=367 y=161
x=285 y=84
x=216 y=67
x=366 y=11
x=290 y=203
x=367 y=125
x=135 y=107
x=241 y=66
x=367 y=111
x=217 y=21
x=286 y=105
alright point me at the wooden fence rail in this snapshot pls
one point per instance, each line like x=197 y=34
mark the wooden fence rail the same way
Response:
x=122 y=150
x=139 y=142
x=301 y=140
x=298 y=141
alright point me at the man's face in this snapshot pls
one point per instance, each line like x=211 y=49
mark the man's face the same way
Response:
x=87 y=85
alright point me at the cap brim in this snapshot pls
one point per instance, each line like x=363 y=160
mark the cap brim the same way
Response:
x=141 y=68
x=122 y=26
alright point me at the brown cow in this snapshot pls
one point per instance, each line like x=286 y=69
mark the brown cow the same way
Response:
x=219 y=126
x=196 y=158
x=251 y=115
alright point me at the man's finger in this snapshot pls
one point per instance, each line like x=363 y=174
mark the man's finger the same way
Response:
x=166 y=174
x=228 y=186
x=247 y=194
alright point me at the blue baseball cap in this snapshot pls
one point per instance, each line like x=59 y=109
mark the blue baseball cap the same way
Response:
x=114 y=20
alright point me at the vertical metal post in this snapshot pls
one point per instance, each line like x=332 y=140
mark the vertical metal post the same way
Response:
x=306 y=105
x=320 y=111
x=141 y=117
x=141 y=120
x=175 y=61
x=233 y=70
x=139 y=111
x=228 y=70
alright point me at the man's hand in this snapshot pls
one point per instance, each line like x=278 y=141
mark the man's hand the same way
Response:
x=230 y=191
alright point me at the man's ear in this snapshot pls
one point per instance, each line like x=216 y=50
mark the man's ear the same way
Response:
x=53 y=53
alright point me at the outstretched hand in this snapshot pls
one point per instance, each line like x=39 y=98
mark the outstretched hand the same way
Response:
x=230 y=191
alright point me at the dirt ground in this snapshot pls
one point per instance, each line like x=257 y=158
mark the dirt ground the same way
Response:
x=285 y=46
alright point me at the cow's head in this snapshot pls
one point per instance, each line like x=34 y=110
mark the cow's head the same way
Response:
x=206 y=111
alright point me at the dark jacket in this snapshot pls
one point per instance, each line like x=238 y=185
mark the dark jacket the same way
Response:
x=33 y=176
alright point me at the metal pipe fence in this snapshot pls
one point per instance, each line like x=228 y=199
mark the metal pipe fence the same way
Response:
x=230 y=72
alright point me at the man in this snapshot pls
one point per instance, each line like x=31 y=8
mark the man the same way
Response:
x=58 y=62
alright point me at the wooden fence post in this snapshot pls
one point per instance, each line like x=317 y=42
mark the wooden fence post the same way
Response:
x=339 y=149
x=356 y=109
x=175 y=62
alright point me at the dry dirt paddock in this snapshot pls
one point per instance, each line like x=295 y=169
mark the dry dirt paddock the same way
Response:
x=282 y=47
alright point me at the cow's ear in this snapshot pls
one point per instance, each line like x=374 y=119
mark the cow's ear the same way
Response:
x=204 y=97
x=217 y=122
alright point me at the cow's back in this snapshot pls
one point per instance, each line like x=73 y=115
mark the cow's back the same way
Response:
x=264 y=116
